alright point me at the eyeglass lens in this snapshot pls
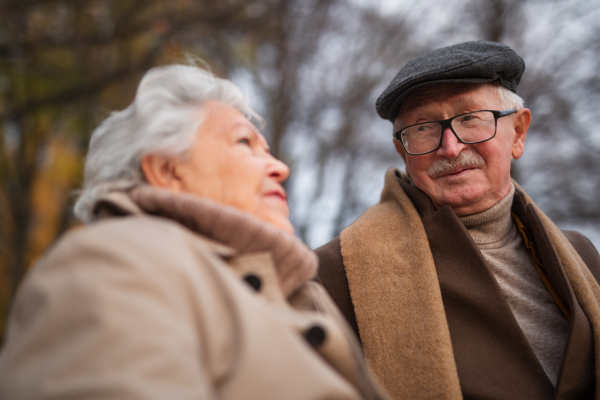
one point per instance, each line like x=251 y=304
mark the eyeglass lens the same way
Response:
x=473 y=127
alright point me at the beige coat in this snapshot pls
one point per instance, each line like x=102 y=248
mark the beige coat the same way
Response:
x=139 y=306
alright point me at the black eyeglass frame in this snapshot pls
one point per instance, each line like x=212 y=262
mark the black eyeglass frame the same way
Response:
x=447 y=123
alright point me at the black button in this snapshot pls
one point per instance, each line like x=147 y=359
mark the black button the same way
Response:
x=253 y=281
x=315 y=335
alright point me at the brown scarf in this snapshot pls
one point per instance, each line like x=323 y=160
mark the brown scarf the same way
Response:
x=393 y=284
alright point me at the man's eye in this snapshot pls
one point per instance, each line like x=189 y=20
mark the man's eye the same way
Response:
x=245 y=141
x=424 y=128
x=469 y=118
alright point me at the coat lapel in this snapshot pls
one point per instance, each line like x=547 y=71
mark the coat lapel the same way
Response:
x=493 y=357
x=576 y=376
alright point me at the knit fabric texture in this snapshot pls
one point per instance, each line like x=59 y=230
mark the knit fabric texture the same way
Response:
x=503 y=248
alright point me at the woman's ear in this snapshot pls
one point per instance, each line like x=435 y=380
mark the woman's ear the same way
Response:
x=161 y=171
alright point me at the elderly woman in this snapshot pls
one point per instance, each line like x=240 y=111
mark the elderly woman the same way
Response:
x=187 y=281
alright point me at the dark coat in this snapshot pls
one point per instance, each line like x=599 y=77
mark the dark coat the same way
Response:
x=493 y=357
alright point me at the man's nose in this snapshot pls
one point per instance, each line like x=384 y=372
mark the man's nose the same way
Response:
x=451 y=146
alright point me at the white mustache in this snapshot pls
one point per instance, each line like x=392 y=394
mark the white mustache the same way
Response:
x=467 y=158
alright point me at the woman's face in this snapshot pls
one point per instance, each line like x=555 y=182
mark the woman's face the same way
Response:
x=230 y=163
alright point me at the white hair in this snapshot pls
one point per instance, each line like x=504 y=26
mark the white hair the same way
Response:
x=162 y=119
x=509 y=100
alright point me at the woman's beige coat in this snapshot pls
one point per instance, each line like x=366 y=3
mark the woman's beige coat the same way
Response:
x=139 y=306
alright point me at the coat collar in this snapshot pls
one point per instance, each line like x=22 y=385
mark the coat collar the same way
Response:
x=228 y=231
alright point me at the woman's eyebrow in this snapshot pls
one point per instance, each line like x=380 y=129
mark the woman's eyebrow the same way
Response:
x=255 y=133
x=246 y=125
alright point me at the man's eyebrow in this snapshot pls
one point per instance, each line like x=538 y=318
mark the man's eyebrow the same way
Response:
x=465 y=100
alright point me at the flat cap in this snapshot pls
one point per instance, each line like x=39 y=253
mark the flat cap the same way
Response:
x=469 y=62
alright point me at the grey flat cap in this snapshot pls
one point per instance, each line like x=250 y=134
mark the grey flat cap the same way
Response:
x=469 y=62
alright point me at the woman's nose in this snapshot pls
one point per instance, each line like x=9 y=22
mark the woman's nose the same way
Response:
x=278 y=169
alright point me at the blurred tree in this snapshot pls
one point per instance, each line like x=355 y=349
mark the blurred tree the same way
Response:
x=561 y=87
x=63 y=66
x=316 y=67
x=319 y=83
x=340 y=164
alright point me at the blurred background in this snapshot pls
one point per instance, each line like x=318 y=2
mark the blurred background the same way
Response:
x=313 y=69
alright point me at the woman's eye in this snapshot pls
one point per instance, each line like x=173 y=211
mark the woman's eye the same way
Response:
x=245 y=141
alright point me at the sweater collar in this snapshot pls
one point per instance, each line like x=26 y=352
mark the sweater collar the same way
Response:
x=294 y=261
x=490 y=228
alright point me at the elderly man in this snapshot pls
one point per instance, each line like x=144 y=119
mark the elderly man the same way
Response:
x=457 y=284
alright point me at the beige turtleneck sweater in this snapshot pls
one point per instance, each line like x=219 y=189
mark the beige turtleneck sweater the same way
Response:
x=503 y=248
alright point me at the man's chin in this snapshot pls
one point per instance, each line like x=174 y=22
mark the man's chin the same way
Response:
x=461 y=200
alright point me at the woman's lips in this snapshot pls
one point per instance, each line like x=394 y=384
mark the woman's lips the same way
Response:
x=278 y=194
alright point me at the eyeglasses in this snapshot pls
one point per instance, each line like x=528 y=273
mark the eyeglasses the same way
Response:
x=469 y=128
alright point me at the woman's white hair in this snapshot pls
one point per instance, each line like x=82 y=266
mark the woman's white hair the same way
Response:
x=162 y=119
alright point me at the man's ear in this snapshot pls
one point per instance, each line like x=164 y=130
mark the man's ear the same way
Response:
x=161 y=171
x=521 y=126
x=400 y=149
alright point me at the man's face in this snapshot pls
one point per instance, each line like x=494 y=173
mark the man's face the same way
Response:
x=479 y=174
